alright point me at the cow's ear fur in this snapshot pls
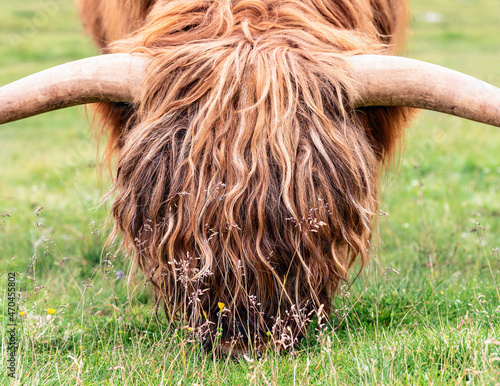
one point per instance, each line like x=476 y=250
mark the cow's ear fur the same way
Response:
x=109 y=20
x=391 y=19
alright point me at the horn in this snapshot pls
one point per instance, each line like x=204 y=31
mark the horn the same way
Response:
x=106 y=78
x=380 y=81
x=395 y=81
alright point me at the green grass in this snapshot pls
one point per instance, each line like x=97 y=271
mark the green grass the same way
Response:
x=427 y=311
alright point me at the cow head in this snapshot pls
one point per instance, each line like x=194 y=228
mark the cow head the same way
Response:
x=249 y=138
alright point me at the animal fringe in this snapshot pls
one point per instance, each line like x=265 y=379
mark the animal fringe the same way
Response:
x=244 y=176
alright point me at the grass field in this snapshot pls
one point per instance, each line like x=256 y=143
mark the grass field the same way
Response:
x=427 y=311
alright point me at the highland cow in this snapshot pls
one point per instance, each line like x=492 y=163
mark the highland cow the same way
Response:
x=249 y=137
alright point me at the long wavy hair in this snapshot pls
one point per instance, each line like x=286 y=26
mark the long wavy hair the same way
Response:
x=246 y=185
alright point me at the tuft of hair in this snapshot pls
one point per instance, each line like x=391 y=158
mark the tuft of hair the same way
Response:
x=244 y=176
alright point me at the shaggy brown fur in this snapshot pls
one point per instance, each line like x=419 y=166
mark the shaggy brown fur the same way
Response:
x=244 y=176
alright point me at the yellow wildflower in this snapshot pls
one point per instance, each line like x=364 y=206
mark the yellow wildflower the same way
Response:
x=51 y=311
x=221 y=305
x=22 y=313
